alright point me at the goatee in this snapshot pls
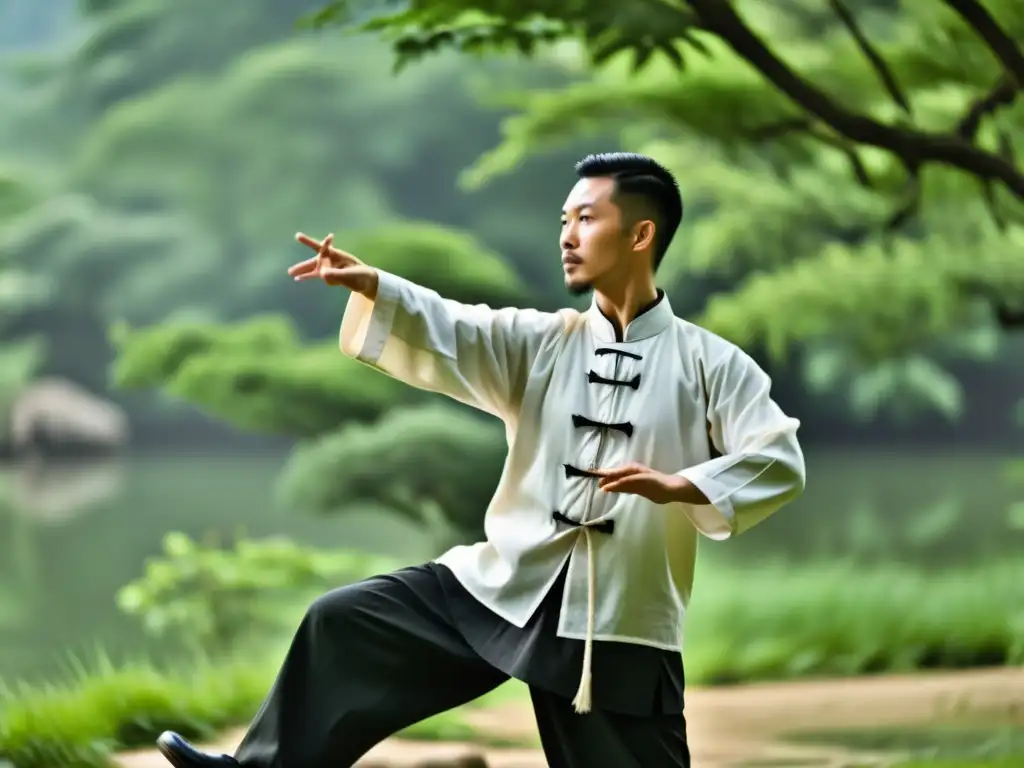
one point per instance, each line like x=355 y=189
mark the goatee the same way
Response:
x=580 y=289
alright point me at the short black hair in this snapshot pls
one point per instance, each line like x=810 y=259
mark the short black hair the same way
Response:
x=643 y=178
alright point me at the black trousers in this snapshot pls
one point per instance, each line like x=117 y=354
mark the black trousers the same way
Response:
x=372 y=658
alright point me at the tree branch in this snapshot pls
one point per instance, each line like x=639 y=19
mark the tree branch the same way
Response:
x=849 y=149
x=912 y=200
x=1002 y=95
x=885 y=74
x=914 y=147
x=988 y=194
x=816 y=131
x=1001 y=44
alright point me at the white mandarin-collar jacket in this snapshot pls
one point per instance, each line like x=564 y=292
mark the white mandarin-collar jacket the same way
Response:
x=573 y=398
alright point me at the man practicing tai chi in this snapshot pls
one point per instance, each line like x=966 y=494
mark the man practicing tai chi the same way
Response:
x=629 y=431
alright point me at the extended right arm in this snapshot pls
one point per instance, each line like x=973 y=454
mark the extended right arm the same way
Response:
x=472 y=353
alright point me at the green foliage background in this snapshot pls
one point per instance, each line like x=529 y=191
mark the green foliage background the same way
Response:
x=162 y=204
x=156 y=158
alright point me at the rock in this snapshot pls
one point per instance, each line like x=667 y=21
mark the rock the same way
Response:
x=56 y=416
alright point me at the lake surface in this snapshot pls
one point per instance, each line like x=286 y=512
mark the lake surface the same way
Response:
x=71 y=535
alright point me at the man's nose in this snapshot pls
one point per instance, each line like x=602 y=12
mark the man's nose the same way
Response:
x=569 y=240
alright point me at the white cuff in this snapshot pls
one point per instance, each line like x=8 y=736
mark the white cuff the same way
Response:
x=716 y=519
x=366 y=325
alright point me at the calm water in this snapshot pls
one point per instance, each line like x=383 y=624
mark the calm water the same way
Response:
x=71 y=536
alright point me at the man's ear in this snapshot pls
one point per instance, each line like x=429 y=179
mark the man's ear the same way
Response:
x=643 y=235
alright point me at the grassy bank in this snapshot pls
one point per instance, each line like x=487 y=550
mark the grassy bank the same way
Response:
x=81 y=722
x=767 y=623
x=782 y=622
x=78 y=723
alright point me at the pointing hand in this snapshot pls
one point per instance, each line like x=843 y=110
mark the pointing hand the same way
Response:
x=334 y=267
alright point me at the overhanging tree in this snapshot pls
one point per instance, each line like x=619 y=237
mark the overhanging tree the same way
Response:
x=956 y=42
x=850 y=177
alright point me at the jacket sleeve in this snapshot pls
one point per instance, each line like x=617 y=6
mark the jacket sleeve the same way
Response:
x=472 y=353
x=761 y=466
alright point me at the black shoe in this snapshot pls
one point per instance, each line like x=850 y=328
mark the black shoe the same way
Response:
x=181 y=754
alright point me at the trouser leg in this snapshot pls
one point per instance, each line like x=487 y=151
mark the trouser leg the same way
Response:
x=608 y=740
x=367 y=660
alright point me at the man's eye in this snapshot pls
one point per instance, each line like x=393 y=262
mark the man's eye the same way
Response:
x=585 y=217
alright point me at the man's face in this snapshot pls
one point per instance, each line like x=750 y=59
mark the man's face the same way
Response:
x=593 y=244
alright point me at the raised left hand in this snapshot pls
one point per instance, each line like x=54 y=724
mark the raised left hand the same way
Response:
x=643 y=481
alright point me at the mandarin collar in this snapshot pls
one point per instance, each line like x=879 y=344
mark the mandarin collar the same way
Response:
x=652 y=320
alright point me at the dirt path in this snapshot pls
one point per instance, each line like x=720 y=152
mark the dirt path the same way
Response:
x=733 y=726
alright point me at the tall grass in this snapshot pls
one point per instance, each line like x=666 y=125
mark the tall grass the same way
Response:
x=781 y=622
x=76 y=723
x=101 y=709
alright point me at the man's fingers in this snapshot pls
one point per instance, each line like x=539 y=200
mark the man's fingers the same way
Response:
x=618 y=486
x=332 y=266
x=323 y=248
x=626 y=484
x=326 y=247
x=302 y=267
x=308 y=241
x=322 y=273
x=607 y=475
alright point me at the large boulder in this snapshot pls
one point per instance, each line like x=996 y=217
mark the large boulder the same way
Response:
x=54 y=416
